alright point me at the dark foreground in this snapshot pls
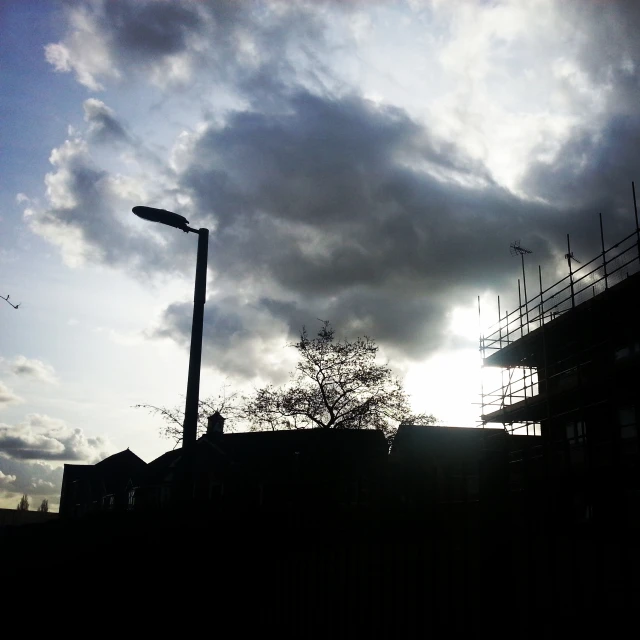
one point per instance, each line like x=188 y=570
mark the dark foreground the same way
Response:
x=327 y=575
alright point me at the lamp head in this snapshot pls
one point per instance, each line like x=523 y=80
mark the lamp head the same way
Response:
x=163 y=216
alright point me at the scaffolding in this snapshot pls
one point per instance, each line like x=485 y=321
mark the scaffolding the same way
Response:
x=519 y=402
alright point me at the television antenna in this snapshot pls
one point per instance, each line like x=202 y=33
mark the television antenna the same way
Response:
x=517 y=250
x=570 y=256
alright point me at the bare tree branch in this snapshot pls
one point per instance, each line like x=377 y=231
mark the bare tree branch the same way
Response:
x=227 y=403
x=336 y=385
x=15 y=306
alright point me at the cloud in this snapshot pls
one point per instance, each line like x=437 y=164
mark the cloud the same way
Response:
x=39 y=480
x=243 y=340
x=31 y=454
x=6 y=480
x=85 y=51
x=593 y=167
x=103 y=124
x=40 y=437
x=7 y=396
x=32 y=368
x=170 y=43
x=88 y=211
x=324 y=204
x=332 y=207
x=341 y=209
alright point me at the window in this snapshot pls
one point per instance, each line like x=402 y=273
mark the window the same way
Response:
x=576 y=436
x=516 y=475
x=627 y=415
x=558 y=462
x=582 y=509
x=132 y=499
x=628 y=429
x=575 y=432
x=627 y=351
x=459 y=482
x=622 y=353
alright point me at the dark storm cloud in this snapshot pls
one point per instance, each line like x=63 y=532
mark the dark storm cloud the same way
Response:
x=594 y=168
x=332 y=210
x=324 y=205
x=604 y=37
x=151 y=28
x=219 y=40
x=237 y=336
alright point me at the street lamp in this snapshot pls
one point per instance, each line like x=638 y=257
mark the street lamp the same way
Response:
x=190 y=424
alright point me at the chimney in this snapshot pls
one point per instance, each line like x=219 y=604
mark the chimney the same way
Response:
x=215 y=425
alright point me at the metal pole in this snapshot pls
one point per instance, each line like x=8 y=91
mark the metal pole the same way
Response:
x=541 y=300
x=190 y=425
x=573 y=301
x=604 y=255
x=499 y=324
x=524 y=284
x=482 y=366
x=635 y=209
x=520 y=309
x=480 y=330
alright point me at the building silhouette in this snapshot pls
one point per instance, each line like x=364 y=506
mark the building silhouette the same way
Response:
x=526 y=527
x=570 y=360
x=103 y=486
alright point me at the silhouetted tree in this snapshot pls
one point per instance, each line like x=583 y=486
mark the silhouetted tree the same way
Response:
x=229 y=404
x=337 y=384
x=44 y=506
x=23 y=505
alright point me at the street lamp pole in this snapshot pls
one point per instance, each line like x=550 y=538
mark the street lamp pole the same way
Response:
x=190 y=424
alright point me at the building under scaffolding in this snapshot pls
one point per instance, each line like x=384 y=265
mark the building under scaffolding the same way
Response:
x=569 y=361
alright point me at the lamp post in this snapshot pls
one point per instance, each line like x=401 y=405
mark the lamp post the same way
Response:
x=190 y=424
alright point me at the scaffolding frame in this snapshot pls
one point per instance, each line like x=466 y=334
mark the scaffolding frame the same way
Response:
x=519 y=382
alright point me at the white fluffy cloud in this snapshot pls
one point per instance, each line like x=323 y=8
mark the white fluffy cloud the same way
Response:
x=6 y=480
x=7 y=396
x=85 y=51
x=40 y=437
x=32 y=368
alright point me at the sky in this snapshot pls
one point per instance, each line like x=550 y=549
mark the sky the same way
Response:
x=366 y=163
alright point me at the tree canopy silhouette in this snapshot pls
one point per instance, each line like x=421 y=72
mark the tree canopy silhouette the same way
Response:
x=23 y=505
x=337 y=384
